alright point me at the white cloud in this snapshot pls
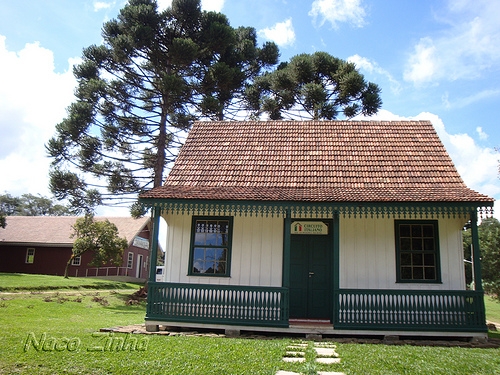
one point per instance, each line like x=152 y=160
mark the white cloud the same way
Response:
x=208 y=5
x=468 y=100
x=482 y=135
x=463 y=50
x=34 y=99
x=478 y=166
x=281 y=33
x=338 y=11
x=100 y=5
x=164 y=4
x=422 y=63
x=372 y=67
x=212 y=5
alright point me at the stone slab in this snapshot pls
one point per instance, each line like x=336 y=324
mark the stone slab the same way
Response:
x=325 y=352
x=328 y=361
x=294 y=359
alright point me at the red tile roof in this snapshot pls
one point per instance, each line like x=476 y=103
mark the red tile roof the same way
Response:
x=342 y=161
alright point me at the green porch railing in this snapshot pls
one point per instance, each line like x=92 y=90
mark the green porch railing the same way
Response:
x=410 y=310
x=222 y=304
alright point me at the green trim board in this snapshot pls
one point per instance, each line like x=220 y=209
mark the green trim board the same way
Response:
x=319 y=209
x=156 y=213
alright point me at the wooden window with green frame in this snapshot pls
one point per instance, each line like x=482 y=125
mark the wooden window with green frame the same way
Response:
x=210 y=251
x=417 y=251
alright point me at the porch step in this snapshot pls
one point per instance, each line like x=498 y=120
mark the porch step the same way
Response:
x=325 y=353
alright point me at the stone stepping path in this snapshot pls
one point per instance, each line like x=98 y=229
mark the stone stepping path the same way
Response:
x=325 y=354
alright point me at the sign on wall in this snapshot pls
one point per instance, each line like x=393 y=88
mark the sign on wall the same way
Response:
x=309 y=227
x=143 y=243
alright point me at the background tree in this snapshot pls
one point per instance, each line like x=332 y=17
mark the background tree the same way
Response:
x=99 y=237
x=317 y=86
x=29 y=205
x=489 y=243
x=140 y=91
x=467 y=242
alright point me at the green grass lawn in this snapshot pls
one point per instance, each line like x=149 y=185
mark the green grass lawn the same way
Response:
x=492 y=309
x=58 y=333
x=15 y=282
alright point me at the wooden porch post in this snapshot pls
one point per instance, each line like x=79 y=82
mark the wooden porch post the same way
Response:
x=336 y=268
x=155 y=219
x=286 y=250
x=476 y=253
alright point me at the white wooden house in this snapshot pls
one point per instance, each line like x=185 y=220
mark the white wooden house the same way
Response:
x=355 y=226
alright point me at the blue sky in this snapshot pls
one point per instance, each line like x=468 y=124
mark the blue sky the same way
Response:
x=434 y=60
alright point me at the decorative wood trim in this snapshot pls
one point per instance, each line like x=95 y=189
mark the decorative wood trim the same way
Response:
x=400 y=210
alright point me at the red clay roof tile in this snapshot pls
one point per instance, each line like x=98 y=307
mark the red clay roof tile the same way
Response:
x=339 y=161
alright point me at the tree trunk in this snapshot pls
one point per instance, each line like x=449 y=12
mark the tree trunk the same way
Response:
x=67 y=266
x=160 y=156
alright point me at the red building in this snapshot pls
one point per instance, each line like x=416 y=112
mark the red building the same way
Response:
x=42 y=245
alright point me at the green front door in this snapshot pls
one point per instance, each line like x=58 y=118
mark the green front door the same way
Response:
x=311 y=276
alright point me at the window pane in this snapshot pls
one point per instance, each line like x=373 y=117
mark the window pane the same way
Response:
x=428 y=230
x=429 y=260
x=210 y=267
x=224 y=225
x=405 y=259
x=216 y=239
x=199 y=253
x=430 y=273
x=220 y=267
x=418 y=273
x=201 y=226
x=210 y=255
x=220 y=254
x=404 y=230
x=212 y=227
x=428 y=244
x=416 y=231
x=418 y=259
x=211 y=239
x=405 y=244
x=416 y=244
x=197 y=267
x=406 y=273
x=199 y=239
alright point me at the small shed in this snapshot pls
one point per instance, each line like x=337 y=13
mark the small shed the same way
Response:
x=353 y=225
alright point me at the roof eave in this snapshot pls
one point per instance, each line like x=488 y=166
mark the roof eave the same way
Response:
x=264 y=207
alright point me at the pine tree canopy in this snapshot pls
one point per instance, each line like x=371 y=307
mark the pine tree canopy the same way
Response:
x=137 y=94
x=158 y=71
